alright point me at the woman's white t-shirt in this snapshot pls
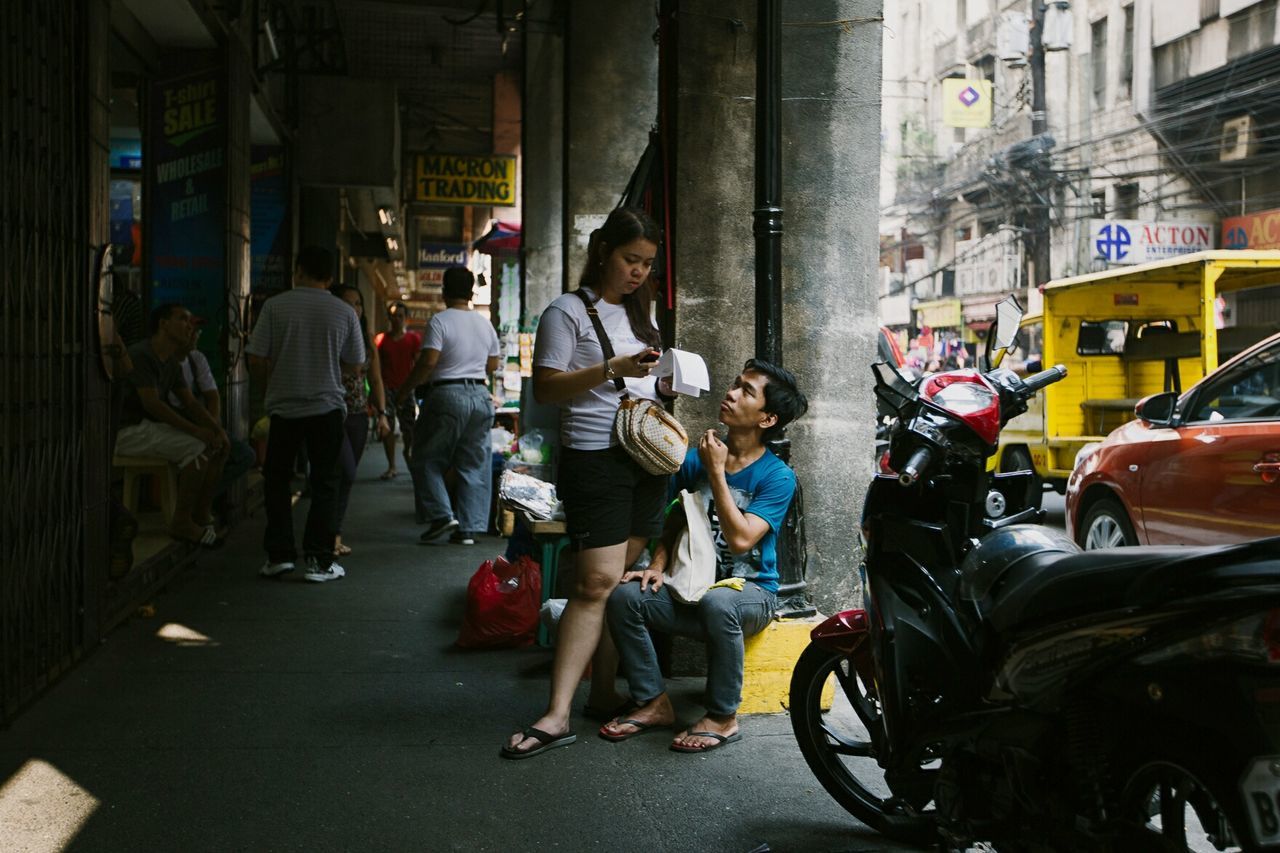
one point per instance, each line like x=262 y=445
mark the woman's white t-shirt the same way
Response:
x=567 y=341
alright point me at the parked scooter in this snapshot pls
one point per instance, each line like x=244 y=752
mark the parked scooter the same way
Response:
x=1001 y=686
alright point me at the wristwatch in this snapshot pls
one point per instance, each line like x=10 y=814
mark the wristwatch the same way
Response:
x=609 y=372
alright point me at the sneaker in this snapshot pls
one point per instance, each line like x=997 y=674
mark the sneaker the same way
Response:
x=275 y=570
x=437 y=529
x=461 y=538
x=315 y=574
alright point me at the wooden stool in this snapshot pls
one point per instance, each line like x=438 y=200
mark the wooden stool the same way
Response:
x=134 y=468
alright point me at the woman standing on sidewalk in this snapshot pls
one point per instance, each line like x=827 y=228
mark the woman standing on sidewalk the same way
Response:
x=357 y=422
x=612 y=506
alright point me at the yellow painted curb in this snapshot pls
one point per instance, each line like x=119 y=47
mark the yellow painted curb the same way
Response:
x=770 y=657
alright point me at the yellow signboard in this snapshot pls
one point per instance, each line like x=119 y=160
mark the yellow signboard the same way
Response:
x=940 y=314
x=488 y=181
x=966 y=103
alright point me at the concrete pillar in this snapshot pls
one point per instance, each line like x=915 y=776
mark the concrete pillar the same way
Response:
x=830 y=195
x=831 y=125
x=611 y=92
x=543 y=171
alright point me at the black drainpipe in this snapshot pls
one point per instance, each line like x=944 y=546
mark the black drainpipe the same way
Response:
x=792 y=548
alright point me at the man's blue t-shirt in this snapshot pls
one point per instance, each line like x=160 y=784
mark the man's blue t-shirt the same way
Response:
x=764 y=488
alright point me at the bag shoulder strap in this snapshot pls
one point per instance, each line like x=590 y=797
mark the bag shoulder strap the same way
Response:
x=605 y=346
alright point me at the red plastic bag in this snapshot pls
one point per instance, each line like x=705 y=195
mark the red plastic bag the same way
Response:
x=502 y=605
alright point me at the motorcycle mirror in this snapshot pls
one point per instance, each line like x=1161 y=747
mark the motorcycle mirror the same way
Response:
x=1003 y=333
x=891 y=388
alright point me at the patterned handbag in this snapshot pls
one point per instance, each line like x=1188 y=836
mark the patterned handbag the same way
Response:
x=649 y=433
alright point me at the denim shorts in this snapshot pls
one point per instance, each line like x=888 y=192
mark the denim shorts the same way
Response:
x=608 y=497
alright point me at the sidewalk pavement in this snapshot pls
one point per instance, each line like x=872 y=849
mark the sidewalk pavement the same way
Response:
x=255 y=715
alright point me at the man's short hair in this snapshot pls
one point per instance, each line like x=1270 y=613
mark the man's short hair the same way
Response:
x=782 y=396
x=316 y=262
x=458 y=283
x=161 y=313
x=398 y=309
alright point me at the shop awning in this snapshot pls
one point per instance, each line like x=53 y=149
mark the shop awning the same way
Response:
x=501 y=237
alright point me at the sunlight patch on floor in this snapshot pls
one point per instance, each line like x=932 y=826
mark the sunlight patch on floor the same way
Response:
x=41 y=809
x=181 y=635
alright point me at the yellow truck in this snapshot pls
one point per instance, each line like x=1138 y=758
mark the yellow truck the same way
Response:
x=1124 y=334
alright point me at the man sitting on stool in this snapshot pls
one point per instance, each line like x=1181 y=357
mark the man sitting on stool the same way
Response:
x=750 y=491
x=151 y=427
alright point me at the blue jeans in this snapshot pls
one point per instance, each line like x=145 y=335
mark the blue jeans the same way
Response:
x=453 y=432
x=723 y=618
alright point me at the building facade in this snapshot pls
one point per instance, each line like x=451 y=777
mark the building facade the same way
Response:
x=1024 y=142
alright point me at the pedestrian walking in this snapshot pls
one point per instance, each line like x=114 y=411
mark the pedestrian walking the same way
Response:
x=612 y=506
x=359 y=385
x=458 y=355
x=303 y=339
x=397 y=350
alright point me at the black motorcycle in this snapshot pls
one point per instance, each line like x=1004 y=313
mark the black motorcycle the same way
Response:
x=1001 y=686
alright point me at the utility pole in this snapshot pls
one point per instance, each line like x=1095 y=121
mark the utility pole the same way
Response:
x=1039 y=219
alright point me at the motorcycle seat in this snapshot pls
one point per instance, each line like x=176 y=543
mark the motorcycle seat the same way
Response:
x=1051 y=586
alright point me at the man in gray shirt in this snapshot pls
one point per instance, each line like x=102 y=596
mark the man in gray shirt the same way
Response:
x=301 y=340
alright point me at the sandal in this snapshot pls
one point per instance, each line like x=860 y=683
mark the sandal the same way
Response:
x=389 y=474
x=640 y=728
x=545 y=742
x=720 y=740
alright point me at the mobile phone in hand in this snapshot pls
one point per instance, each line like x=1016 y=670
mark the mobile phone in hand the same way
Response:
x=650 y=357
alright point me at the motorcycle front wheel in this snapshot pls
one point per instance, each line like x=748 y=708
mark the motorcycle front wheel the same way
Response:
x=1171 y=808
x=839 y=747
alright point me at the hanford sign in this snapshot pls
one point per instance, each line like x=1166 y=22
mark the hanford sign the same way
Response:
x=1132 y=241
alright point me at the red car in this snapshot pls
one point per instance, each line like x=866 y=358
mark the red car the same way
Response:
x=1200 y=469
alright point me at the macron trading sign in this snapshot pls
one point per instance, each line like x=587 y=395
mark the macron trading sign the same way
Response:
x=1132 y=241
x=484 y=181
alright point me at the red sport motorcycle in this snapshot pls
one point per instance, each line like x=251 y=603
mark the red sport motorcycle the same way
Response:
x=1001 y=686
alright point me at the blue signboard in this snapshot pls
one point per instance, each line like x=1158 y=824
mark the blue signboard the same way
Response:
x=269 y=248
x=187 y=186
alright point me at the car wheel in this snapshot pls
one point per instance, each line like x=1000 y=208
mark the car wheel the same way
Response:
x=1019 y=459
x=1106 y=525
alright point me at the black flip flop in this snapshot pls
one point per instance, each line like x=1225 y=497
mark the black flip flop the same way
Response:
x=545 y=742
x=721 y=740
x=641 y=728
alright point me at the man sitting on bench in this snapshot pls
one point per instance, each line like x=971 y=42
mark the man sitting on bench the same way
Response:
x=151 y=427
x=749 y=490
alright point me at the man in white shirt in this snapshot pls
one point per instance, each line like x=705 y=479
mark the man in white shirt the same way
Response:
x=458 y=355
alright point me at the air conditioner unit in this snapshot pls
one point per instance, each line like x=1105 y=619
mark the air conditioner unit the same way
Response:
x=1240 y=138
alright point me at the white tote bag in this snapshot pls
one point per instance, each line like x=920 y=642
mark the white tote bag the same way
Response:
x=692 y=567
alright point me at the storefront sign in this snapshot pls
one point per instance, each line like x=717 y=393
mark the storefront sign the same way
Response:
x=941 y=314
x=1128 y=241
x=441 y=256
x=186 y=182
x=464 y=179
x=268 y=215
x=966 y=103
x=1254 y=231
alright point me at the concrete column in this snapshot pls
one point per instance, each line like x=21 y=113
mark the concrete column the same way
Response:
x=714 y=193
x=830 y=195
x=831 y=124
x=543 y=170
x=611 y=92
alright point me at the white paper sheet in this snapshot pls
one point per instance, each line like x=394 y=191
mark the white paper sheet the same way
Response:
x=687 y=371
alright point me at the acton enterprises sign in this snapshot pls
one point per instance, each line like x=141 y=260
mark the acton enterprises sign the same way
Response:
x=464 y=179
